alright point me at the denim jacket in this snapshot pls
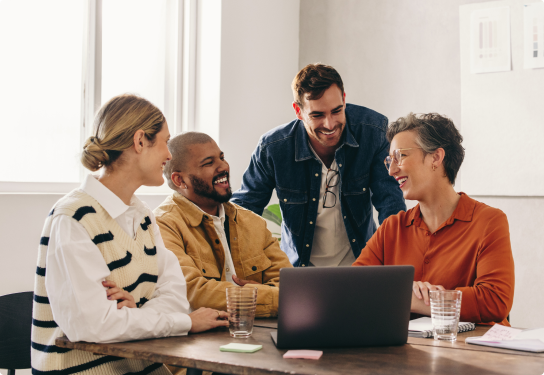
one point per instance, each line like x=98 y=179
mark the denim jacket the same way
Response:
x=284 y=161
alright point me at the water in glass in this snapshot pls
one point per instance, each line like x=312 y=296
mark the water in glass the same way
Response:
x=241 y=305
x=445 y=311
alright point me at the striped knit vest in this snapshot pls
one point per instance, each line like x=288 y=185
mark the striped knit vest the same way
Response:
x=133 y=267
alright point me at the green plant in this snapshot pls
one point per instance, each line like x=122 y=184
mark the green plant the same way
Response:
x=273 y=213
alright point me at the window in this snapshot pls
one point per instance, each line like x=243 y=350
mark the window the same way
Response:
x=65 y=58
x=40 y=94
x=134 y=53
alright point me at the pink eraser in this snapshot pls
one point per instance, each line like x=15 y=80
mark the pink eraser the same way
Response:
x=305 y=354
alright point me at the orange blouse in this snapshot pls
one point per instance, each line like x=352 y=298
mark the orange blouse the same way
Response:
x=470 y=252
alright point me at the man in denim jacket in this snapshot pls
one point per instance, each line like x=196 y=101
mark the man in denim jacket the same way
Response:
x=327 y=167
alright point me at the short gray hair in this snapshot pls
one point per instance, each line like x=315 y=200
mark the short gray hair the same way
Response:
x=179 y=148
x=433 y=132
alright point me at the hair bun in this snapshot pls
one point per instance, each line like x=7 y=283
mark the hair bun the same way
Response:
x=93 y=156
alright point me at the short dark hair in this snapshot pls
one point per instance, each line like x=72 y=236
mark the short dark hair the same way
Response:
x=433 y=131
x=179 y=148
x=314 y=79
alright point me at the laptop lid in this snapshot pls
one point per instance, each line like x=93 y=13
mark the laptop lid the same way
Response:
x=344 y=306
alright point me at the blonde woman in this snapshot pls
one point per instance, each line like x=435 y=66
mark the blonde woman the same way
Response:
x=103 y=272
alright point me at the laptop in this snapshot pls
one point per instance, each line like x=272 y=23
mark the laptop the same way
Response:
x=344 y=306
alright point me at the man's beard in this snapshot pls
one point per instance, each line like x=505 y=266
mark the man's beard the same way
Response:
x=202 y=189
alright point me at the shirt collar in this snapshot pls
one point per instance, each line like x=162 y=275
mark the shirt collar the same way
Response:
x=195 y=215
x=113 y=205
x=463 y=212
x=302 y=141
x=220 y=216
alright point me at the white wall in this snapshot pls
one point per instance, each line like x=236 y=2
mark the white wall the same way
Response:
x=502 y=111
x=259 y=59
x=403 y=56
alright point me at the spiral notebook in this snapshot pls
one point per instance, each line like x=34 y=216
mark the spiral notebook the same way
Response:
x=423 y=327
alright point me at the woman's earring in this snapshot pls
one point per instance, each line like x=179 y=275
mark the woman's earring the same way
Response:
x=434 y=167
x=185 y=187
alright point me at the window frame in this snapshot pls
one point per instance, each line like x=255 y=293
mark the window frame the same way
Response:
x=180 y=84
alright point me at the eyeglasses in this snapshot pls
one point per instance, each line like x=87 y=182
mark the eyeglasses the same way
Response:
x=330 y=182
x=397 y=157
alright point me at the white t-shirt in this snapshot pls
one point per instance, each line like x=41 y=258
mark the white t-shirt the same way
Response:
x=331 y=245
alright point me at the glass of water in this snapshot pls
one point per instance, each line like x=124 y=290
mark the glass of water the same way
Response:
x=241 y=305
x=445 y=311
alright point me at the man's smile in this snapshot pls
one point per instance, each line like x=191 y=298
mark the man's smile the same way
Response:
x=222 y=180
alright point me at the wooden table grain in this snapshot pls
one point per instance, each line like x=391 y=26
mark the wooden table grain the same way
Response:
x=459 y=344
x=419 y=356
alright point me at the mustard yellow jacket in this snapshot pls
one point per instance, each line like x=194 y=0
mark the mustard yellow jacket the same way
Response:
x=256 y=254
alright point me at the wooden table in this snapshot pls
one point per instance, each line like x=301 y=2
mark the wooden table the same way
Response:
x=419 y=356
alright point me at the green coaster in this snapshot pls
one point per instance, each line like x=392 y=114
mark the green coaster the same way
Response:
x=240 y=348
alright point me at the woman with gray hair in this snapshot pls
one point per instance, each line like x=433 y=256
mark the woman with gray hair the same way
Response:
x=452 y=240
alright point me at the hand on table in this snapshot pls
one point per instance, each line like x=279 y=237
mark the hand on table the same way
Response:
x=422 y=288
x=122 y=296
x=420 y=297
x=204 y=319
x=242 y=282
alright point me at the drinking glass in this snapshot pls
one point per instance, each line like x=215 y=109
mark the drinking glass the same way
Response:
x=445 y=311
x=241 y=305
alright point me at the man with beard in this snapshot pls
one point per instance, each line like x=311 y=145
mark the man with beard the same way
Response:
x=327 y=167
x=218 y=244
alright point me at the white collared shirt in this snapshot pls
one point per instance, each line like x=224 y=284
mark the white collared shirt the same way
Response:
x=76 y=269
x=219 y=224
x=330 y=245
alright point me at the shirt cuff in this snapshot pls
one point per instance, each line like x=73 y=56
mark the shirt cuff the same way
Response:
x=182 y=324
x=267 y=300
x=469 y=306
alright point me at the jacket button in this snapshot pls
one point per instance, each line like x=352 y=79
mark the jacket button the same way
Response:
x=307 y=245
x=234 y=238
x=426 y=261
x=316 y=175
x=344 y=217
x=364 y=189
x=314 y=199
x=203 y=270
x=285 y=200
x=217 y=242
x=340 y=165
x=311 y=222
x=353 y=240
x=254 y=268
x=303 y=265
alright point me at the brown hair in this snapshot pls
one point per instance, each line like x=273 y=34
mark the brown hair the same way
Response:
x=433 y=131
x=114 y=128
x=314 y=79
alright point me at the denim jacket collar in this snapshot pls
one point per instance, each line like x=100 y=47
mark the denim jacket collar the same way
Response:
x=302 y=146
